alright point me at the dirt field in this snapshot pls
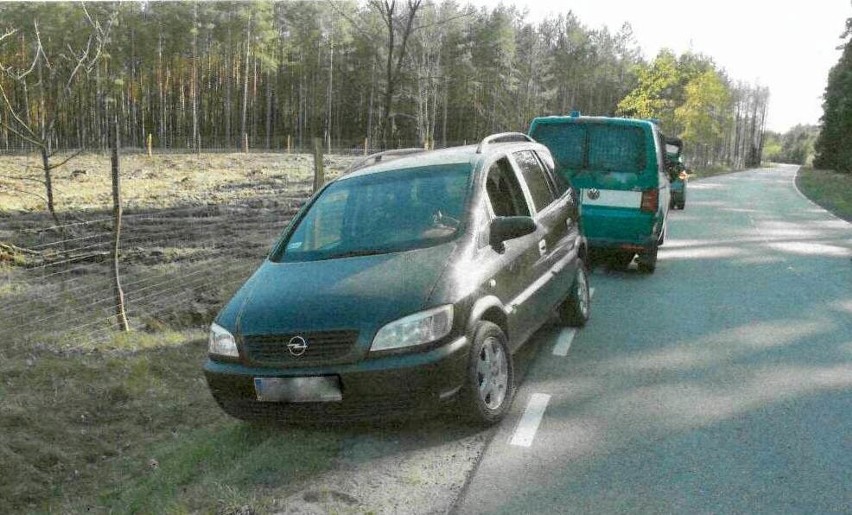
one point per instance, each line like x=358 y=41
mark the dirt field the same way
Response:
x=193 y=229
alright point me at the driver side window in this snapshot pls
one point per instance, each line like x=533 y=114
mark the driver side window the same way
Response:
x=504 y=191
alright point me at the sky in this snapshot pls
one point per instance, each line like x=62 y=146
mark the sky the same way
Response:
x=787 y=45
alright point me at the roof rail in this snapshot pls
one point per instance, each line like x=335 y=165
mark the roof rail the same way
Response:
x=378 y=157
x=503 y=137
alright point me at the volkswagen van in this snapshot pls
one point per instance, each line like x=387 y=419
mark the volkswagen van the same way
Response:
x=618 y=166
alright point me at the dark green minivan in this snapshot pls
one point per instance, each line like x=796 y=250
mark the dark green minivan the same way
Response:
x=618 y=164
x=407 y=283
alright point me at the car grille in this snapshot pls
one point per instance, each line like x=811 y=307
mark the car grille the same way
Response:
x=271 y=350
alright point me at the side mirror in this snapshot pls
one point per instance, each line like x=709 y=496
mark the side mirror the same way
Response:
x=506 y=228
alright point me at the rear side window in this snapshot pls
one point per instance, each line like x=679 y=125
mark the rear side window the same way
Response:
x=534 y=176
x=594 y=146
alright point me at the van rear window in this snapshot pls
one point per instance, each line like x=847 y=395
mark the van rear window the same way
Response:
x=594 y=146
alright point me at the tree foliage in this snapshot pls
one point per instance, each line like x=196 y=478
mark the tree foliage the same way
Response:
x=834 y=145
x=704 y=114
x=386 y=72
x=721 y=122
x=794 y=146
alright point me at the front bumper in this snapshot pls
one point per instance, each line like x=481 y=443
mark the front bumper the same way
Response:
x=373 y=388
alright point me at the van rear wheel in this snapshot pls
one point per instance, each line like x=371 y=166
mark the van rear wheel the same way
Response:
x=647 y=260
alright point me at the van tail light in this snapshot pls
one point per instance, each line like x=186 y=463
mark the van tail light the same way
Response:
x=650 y=200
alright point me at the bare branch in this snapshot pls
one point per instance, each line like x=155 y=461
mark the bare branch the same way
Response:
x=72 y=156
x=40 y=49
x=9 y=32
x=80 y=60
x=30 y=136
x=101 y=33
x=21 y=76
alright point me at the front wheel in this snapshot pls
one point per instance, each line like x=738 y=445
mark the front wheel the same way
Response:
x=490 y=383
x=575 y=309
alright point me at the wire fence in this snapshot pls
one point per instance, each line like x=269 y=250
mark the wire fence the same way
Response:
x=178 y=264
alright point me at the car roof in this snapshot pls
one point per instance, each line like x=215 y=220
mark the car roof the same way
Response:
x=468 y=154
x=557 y=119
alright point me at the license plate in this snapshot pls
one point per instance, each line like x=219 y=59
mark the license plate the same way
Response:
x=298 y=389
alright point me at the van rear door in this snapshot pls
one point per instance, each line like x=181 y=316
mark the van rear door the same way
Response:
x=613 y=162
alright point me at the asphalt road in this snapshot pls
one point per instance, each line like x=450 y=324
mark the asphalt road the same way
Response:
x=722 y=383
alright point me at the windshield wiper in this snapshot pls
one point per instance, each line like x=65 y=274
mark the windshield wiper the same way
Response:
x=362 y=252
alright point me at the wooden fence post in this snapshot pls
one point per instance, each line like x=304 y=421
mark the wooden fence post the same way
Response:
x=150 y=145
x=319 y=175
x=120 y=313
x=245 y=143
x=289 y=143
x=366 y=146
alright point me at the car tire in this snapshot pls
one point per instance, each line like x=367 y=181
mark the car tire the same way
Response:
x=681 y=205
x=490 y=383
x=574 y=311
x=647 y=261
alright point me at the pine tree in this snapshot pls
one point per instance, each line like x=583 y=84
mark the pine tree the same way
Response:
x=834 y=144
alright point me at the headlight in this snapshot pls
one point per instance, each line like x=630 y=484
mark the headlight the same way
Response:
x=221 y=342
x=416 y=329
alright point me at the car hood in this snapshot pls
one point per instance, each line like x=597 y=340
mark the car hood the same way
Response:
x=357 y=293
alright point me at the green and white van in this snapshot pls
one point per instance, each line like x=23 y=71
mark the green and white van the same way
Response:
x=618 y=165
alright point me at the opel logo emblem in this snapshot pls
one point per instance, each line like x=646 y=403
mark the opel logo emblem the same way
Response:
x=594 y=194
x=297 y=346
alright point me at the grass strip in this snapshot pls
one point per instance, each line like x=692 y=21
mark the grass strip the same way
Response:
x=831 y=190
x=137 y=432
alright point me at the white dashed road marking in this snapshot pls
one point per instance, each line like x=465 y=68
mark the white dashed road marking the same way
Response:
x=527 y=427
x=563 y=342
x=566 y=337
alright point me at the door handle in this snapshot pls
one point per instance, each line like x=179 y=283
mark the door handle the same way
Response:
x=542 y=247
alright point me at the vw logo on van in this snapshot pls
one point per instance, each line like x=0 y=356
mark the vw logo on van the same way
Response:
x=297 y=346
x=594 y=194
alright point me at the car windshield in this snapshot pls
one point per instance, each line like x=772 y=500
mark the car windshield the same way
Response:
x=596 y=147
x=382 y=212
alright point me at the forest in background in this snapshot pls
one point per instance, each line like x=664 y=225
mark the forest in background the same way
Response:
x=385 y=73
x=833 y=145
